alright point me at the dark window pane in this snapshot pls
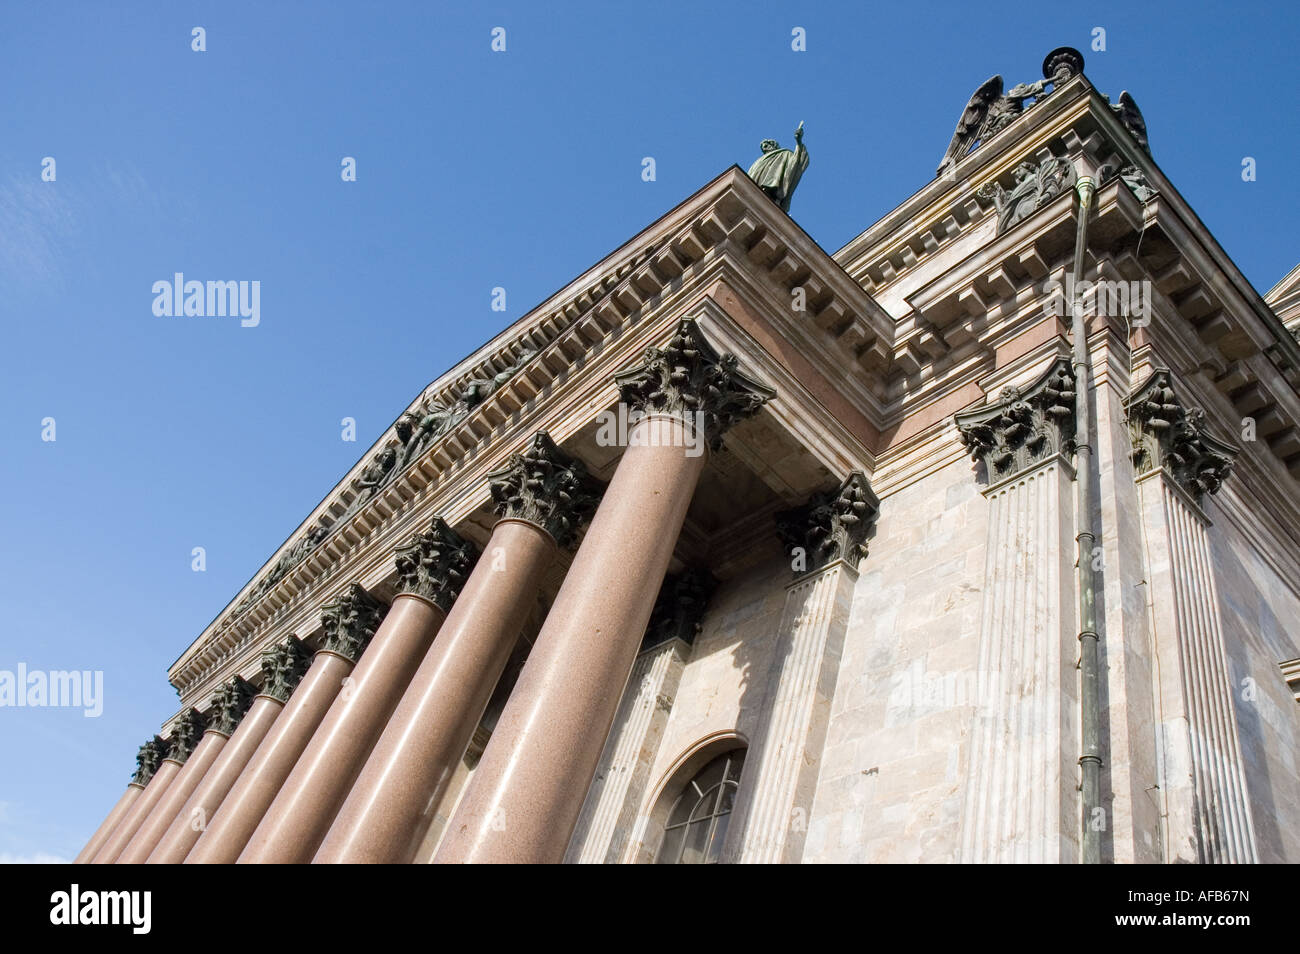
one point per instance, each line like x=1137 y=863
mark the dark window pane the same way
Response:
x=671 y=850
x=697 y=838
x=715 y=845
x=737 y=762
x=728 y=799
x=682 y=810
x=704 y=807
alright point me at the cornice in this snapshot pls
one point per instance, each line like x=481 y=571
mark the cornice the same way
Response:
x=710 y=229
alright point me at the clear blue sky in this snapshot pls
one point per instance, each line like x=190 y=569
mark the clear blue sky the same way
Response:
x=475 y=170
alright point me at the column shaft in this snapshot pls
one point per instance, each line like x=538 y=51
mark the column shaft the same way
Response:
x=301 y=813
x=526 y=794
x=392 y=804
x=138 y=812
x=108 y=824
x=203 y=803
x=258 y=784
x=170 y=804
x=173 y=799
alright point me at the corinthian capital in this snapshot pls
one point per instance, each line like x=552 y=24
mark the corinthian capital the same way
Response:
x=1023 y=427
x=689 y=379
x=679 y=609
x=435 y=564
x=283 y=667
x=1171 y=435
x=148 y=759
x=546 y=487
x=229 y=703
x=186 y=732
x=832 y=525
x=350 y=622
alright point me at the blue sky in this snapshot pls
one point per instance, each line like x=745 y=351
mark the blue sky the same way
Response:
x=474 y=169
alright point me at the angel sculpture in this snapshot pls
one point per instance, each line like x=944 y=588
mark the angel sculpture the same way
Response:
x=988 y=112
x=1128 y=113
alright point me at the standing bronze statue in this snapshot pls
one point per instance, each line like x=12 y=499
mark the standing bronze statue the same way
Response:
x=778 y=170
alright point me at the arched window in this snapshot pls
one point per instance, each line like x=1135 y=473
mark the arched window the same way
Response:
x=697 y=824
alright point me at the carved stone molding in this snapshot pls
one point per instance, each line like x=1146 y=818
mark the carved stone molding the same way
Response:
x=832 y=525
x=689 y=379
x=186 y=733
x=1025 y=426
x=416 y=433
x=350 y=622
x=148 y=759
x=1036 y=185
x=283 y=667
x=1170 y=435
x=547 y=487
x=435 y=564
x=229 y=703
x=679 y=609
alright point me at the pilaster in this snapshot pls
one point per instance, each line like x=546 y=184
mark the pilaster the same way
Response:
x=827 y=539
x=1020 y=802
x=1202 y=779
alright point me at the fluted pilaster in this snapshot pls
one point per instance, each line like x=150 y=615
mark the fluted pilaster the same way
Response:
x=1019 y=802
x=1203 y=784
x=826 y=539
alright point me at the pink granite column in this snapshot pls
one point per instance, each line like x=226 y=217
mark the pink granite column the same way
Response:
x=347 y=631
x=146 y=760
x=527 y=792
x=184 y=736
x=541 y=495
x=432 y=570
x=283 y=666
x=228 y=706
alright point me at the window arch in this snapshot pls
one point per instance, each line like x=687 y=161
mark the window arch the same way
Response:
x=697 y=823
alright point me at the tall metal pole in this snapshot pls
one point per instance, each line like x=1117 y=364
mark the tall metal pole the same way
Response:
x=1094 y=820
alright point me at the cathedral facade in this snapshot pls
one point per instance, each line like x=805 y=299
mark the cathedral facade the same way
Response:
x=975 y=541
